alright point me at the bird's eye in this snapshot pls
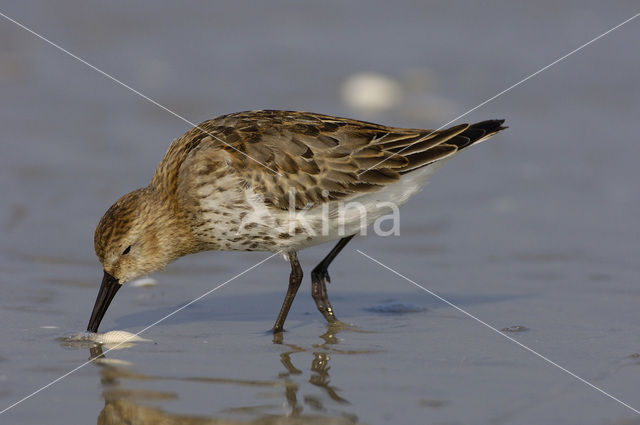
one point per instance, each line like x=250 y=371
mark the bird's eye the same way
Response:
x=126 y=251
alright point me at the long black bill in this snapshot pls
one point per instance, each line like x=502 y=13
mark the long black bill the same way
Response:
x=108 y=289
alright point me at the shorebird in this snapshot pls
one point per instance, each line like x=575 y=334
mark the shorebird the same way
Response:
x=269 y=181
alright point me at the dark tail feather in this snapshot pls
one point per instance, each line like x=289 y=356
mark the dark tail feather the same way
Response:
x=476 y=132
x=423 y=155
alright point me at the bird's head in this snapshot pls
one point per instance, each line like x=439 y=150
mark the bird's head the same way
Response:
x=136 y=236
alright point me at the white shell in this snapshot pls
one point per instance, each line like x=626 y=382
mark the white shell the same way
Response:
x=114 y=337
x=143 y=281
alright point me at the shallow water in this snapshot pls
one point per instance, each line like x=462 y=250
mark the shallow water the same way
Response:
x=534 y=232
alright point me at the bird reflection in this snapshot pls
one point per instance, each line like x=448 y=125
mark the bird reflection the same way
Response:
x=122 y=404
x=319 y=372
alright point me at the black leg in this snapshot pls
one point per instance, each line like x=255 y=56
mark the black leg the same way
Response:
x=318 y=277
x=295 y=278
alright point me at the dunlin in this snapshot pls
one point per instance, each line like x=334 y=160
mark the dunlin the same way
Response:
x=269 y=181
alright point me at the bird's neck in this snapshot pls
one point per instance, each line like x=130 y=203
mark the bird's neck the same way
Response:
x=170 y=225
x=167 y=175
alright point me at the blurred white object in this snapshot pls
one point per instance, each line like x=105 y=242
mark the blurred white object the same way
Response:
x=371 y=91
x=143 y=281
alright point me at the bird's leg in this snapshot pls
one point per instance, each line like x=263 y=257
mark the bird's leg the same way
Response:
x=318 y=276
x=295 y=278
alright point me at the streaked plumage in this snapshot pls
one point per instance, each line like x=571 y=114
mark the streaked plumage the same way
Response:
x=245 y=181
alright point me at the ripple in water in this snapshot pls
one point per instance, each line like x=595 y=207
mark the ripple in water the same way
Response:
x=515 y=328
x=393 y=307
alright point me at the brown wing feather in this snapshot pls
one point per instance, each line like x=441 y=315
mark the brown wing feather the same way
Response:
x=322 y=157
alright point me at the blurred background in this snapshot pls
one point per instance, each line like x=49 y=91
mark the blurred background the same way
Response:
x=535 y=232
